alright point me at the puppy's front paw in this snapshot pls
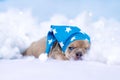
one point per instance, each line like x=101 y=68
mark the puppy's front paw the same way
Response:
x=64 y=58
x=61 y=57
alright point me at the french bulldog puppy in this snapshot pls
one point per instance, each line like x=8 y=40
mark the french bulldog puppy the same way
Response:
x=61 y=43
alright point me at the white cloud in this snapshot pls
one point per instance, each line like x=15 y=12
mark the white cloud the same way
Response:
x=17 y=27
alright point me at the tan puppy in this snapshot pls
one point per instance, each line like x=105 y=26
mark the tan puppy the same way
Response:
x=74 y=51
x=62 y=43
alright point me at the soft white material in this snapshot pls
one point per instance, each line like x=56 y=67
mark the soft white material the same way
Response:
x=21 y=69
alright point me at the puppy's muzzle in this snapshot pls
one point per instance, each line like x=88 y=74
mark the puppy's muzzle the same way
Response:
x=79 y=55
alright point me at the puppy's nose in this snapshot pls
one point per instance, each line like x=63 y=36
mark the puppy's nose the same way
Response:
x=79 y=54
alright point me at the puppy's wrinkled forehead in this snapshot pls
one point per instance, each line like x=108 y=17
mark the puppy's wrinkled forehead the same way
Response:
x=80 y=44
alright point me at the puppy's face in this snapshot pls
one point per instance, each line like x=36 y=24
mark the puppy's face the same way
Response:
x=77 y=49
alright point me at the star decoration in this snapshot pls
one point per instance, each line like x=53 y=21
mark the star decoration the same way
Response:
x=50 y=41
x=68 y=29
x=86 y=39
x=73 y=38
x=54 y=31
x=61 y=44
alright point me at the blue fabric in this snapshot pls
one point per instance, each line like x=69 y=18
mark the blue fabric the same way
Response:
x=64 y=35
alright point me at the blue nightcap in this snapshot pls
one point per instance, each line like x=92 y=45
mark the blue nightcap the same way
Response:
x=64 y=35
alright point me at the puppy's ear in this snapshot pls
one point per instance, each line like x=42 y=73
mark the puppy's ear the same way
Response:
x=56 y=46
x=55 y=49
x=56 y=52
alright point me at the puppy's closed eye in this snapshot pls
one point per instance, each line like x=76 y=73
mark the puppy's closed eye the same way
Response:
x=87 y=48
x=71 y=48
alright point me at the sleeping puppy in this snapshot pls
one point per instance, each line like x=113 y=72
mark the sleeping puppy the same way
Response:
x=56 y=47
x=77 y=49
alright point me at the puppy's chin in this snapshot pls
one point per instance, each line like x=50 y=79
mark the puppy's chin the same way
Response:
x=75 y=59
x=77 y=49
x=80 y=58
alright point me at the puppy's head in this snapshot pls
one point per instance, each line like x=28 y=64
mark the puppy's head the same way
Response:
x=77 y=49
